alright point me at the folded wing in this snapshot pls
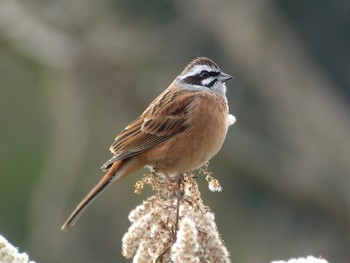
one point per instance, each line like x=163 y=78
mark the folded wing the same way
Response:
x=155 y=125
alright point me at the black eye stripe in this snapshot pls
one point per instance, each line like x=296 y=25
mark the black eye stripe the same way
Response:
x=194 y=80
x=198 y=78
x=208 y=74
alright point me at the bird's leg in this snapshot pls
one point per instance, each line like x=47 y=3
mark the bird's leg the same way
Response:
x=165 y=173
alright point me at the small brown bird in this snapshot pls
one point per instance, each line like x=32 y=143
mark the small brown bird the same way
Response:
x=181 y=129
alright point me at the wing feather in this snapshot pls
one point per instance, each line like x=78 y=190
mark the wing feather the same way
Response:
x=164 y=118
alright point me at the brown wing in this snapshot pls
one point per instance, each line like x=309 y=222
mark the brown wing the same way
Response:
x=164 y=118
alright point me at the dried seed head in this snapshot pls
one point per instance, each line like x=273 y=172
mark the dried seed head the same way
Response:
x=174 y=224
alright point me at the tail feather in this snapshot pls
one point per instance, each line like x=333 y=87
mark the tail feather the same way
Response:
x=106 y=180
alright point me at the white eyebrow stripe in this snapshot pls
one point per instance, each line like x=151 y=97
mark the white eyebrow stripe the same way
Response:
x=196 y=70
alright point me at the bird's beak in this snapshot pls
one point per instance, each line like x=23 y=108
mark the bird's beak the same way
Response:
x=223 y=77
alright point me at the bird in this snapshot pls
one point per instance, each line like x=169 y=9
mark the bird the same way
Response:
x=183 y=128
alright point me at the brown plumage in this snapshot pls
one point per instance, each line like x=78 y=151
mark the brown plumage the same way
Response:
x=179 y=131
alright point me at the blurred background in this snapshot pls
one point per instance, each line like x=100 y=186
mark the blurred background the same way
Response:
x=74 y=73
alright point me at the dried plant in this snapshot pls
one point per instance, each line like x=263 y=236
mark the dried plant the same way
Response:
x=10 y=254
x=173 y=225
x=309 y=259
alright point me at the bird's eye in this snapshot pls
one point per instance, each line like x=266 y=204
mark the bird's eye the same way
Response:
x=204 y=74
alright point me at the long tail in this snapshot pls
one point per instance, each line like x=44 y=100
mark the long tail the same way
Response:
x=106 y=180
